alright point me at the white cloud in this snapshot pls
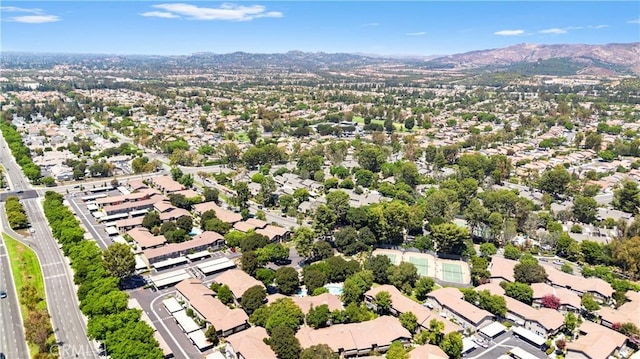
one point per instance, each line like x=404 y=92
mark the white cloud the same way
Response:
x=19 y=9
x=35 y=19
x=554 y=31
x=38 y=17
x=599 y=27
x=509 y=32
x=226 y=12
x=634 y=21
x=420 y=33
x=162 y=14
x=371 y=24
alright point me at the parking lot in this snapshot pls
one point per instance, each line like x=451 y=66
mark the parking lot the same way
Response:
x=501 y=346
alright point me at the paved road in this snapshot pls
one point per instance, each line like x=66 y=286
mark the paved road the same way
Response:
x=68 y=323
x=96 y=230
x=12 y=341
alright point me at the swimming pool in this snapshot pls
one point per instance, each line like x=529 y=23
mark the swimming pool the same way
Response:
x=334 y=288
x=195 y=231
x=302 y=292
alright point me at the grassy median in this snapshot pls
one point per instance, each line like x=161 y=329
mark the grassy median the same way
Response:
x=27 y=276
x=26 y=270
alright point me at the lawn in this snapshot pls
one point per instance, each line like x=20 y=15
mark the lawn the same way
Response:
x=26 y=269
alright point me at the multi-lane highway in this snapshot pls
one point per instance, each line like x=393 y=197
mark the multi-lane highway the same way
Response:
x=12 y=340
x=68 y=323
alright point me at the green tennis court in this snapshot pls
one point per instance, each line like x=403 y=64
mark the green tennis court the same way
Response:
x=451 y=272
x=421 y=264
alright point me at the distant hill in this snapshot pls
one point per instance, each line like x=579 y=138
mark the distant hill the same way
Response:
x=535 y=59
x=524 y=59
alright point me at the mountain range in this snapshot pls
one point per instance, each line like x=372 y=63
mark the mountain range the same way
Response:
x=526 y=59
x=609 y=58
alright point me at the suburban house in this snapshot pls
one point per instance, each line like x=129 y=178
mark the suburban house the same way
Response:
x=601 y=290
x=206 y=306
x=169 y=212
x=569 y=300
x=501 y=269
x=166 y=184
x=127 y=224
x=145 y=239
x=238 y=281
x=250 y=224
x=543 y=322
x=131 y=206
x=307 y=302
x=249 y=344
x=274 y=233
x=449 y=301
x=222 y=214
x=629 y=312
x=401 y=304
x=203 y=241
x=356 y=339
x=131 y=197
x=595 y=342
x=427 y=351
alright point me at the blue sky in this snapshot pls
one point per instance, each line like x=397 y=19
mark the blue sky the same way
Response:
x=377 y=27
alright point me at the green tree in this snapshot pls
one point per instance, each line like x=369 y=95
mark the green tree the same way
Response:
x=584 y=209
x=284 y=343
x=529 y=273
x=403 y=276
x=423 y=286
x=520 y=291
x=382 y=302
x=589 y=303
x=176 y=173
x=488 y=249
x=371 y=158
x=185 y=222
x=625 y=253
x=409 y=321
x=450 y=238
x=211 y=194
x=379 y=265
x=452 y=345
x=249 y=262
x=287 y=280
x=151 y=220
x=627 y=197
x=224 y=294
x=242 y=195
x=212 y=335
x=253 y=298
x=512 y=252
x=555 y=181
x=317 y=317
x=338 y=202
x=314 y=279
x=119 y=260
x=324 y=220
x=356 y=285
x=319 y=351
x=346 y=239
x=304 y=238
x=397 y=351
x=570 y=322
x=267 y=189
x=322 y=250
